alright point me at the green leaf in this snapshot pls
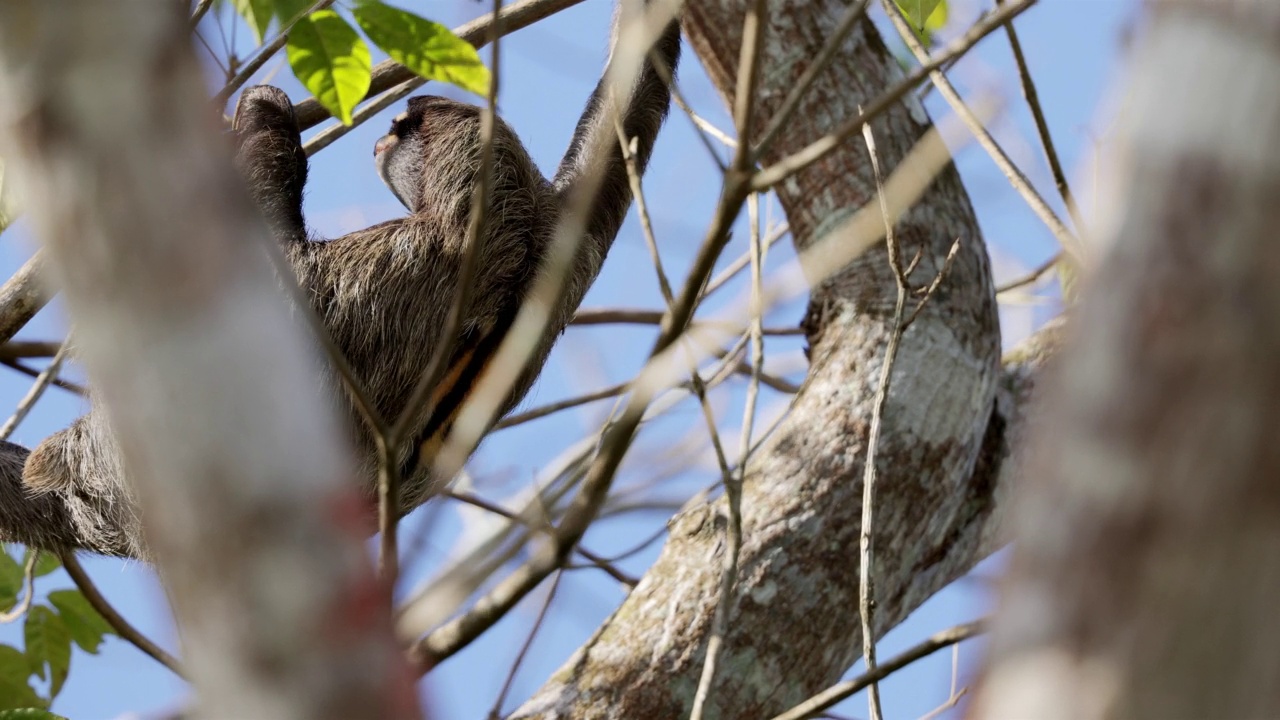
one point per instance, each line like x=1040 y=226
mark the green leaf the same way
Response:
x=10 y=581
x=937 y=19
x=29 y=714
x=48 y=644
x=331 y=60
x=257 y=15
x=919 y=12
x=45 y=564
x=83 y=622
x=427 y=48
x=15 y=692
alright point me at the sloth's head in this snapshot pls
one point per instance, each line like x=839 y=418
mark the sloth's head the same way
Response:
x=431 y=154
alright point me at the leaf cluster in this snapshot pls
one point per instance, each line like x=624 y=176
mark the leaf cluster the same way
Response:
x=330 y=58
x=50 y=627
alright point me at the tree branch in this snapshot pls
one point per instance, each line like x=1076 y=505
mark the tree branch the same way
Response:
x=802 y=494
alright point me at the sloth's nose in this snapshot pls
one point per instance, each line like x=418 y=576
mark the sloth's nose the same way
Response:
x=384 y=142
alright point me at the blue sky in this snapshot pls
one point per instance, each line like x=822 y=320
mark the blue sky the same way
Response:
x=1074 y=49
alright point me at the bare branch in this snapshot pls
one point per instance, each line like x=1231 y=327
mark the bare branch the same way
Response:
x=28 y=401
x=866 y=582
x=785 y=167
x=836 y=693
x=1042 y=127
x=22 y=297
x=118 y=623
x=744 y=114
x=1070 y=243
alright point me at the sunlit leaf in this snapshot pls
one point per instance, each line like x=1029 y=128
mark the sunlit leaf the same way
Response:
x=48 y=645
x=918 y=11
x=427 y=48
x=331 y=60
x=937 y=19
x=15 y=692
x=257 y=15
x=924 y=16
x=83 y=622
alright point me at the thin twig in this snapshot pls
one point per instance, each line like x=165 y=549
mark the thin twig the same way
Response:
x=699 y=388
x=16 y=349
x=555 y=407
x=744 y=115
x=495 y=713
x=197 y=15
x=1038 y=272
x=1015 y=176
x=758 y=253
x=840 y=691
x=954 y=695
x=866 y=586
x=1042 y=127
x=820 y=148
x=742 y=261
x=740 y=367
x=59 y=383
x=117 y=622
x=28 y=583
x=624 y=316
x=923 y=92
x=37 y=389
x=213 y=55
x=705 y=129
x=933 y=285
x=628 y=147
x=706 y=125
x=595 y=559
x=642 y=208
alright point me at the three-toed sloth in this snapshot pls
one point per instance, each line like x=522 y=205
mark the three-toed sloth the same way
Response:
x=385 y=292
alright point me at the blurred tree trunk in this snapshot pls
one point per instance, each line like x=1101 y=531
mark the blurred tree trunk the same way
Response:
x=210 y=385
x=1147 y=569
x=794 y=625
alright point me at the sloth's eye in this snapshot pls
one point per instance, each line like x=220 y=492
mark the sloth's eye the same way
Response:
x=399 y=123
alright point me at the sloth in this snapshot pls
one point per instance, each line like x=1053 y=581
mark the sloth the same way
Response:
x=384 y=293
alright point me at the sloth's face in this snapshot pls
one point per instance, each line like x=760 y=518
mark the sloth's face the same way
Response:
x=392 y=155
x=433 y=133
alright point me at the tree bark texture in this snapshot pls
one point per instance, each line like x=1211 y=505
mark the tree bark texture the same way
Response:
x=1147 y=567
x=210 y=384
x=794 y=625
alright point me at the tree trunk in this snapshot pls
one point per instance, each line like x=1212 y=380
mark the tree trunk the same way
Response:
x=209 y=383
x=1147 y=570
x=943 y=440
